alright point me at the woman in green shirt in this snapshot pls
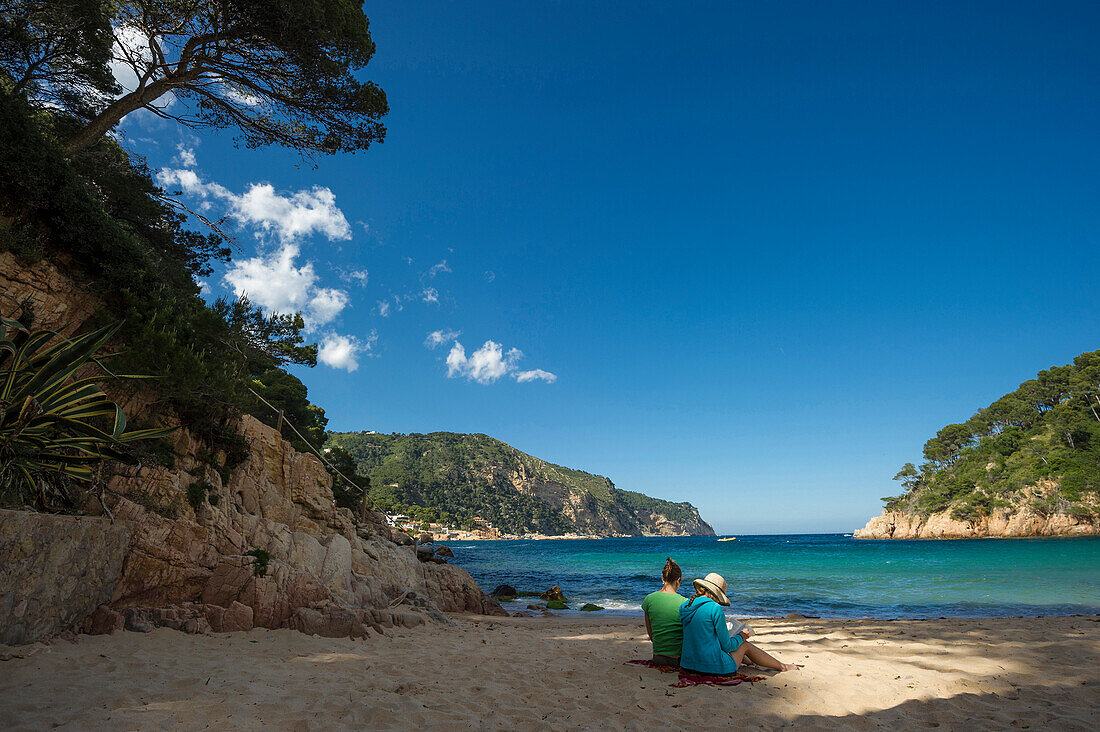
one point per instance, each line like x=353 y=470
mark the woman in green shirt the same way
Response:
x=662 y=617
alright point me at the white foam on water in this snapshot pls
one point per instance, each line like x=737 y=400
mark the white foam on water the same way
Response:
x=622 y=605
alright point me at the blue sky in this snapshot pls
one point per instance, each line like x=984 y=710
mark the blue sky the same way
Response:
x=753 y=254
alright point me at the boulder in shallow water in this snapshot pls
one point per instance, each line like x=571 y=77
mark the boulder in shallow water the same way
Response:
x=554 y=593
x=589 y=607
x=503 y=591
x=556 y=605
x=536 y=607
x=443 y=551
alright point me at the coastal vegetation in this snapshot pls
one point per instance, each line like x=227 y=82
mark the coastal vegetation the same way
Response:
x=72 y=196
x=457 y=478
x=278 y=73
x=55 y=427
x=1046 y=432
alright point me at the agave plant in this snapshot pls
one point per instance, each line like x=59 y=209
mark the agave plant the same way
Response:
x=53 y=426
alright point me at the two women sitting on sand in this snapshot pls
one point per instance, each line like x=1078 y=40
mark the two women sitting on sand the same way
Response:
x=692 y=633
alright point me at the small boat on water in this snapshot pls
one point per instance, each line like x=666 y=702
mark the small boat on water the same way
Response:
x=729 y=538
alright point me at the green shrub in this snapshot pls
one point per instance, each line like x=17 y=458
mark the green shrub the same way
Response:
x=1082 y=513
x=1046 y=507
x=196 y=494
x=200 y=491
x=259 y=567
x=56 y=429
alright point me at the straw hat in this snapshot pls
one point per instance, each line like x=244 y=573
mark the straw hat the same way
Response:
x=715 y=584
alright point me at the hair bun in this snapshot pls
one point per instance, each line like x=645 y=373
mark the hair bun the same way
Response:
x=671 y=572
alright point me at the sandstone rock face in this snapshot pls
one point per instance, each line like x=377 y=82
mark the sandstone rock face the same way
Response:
x=279 y=501
x=58 y=303
x=161 y=562
x=55 y=571
x=1015 y=521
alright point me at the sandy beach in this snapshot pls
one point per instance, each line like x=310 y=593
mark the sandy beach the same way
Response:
x=565 y=673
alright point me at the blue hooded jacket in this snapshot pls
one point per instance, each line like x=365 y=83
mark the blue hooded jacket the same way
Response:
x=707 y=642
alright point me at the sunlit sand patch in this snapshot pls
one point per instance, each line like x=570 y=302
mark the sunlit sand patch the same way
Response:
x=515 y=673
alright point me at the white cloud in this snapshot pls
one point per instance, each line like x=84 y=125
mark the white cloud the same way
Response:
x=276 y=283
x=341 y=352
x=190 y=182
x=325 y=305
x=384 y=308
x=186 y=156
x=456 y=361
x=274 y=279
x=239 y=96
x=358 y=276
x=438 y=268
x=536 y=374
x=301 y=213
x=490 y=362
x=441 y=337
x=430 y=294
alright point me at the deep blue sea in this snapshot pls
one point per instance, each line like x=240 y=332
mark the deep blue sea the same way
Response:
x=828 y=575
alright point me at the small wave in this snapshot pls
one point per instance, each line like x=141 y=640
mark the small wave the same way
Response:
x=608 y=604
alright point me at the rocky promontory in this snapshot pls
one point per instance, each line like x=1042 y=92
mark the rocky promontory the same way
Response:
x=1019 y=519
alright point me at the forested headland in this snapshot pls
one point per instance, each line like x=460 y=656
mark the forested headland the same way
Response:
x=1035 y=450
x=453 y=478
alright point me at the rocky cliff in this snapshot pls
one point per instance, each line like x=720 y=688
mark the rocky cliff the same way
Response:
x=1019 y=519
x=197 y=544
x=266 y=546
x=466 y=475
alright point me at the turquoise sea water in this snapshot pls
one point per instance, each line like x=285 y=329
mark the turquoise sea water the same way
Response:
x=829 y=575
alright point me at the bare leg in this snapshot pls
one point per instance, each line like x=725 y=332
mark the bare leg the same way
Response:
x=759 y=657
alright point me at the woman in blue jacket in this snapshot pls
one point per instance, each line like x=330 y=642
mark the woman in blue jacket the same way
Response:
x=708 y=647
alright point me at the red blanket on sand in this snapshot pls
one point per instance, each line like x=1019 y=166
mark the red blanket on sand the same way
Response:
x=691 y=679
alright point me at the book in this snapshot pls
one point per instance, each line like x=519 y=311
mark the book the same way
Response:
x=736 y=626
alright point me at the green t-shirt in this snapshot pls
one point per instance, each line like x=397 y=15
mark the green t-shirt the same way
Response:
x=663 y=609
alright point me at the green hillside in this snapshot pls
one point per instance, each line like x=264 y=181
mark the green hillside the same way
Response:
x=455 y=477
x=1045 y=432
